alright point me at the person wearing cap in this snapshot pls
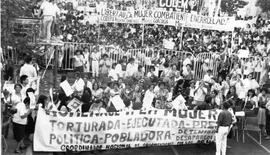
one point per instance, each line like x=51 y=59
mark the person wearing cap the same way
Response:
x=224 y=122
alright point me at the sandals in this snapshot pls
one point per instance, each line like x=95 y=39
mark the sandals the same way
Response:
x=18 y=151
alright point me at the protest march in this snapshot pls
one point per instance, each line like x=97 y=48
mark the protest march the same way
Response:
x=135 y=77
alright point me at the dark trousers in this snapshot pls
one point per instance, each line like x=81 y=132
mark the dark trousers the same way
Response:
x=267 y=127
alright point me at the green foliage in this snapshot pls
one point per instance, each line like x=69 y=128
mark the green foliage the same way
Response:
x=232 y=6
x=13 y=9
x=264 y=5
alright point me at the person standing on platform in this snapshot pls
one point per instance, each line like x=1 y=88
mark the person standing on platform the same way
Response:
x=48 y=13
x=95 y=56
x=224 y=123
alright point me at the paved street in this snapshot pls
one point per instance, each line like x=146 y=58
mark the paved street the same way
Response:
x=250 y=147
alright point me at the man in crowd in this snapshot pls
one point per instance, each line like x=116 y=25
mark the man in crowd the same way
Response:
x=29 y=70
x=49 y=12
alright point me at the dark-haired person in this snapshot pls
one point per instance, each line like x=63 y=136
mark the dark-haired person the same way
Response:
x=200 y=92
x=131 y=68
x=44 y=102
x=95 y=57
x=161 y=96
x=140 y=73
x=78 y=61
x=19 y=123
x=25 y=85
x=105 y=65
x=16 y=97
x=224 y=123
x=30 y=127
x=28 y=69
x=250 y=83
x=251 y=103
x=262 y=100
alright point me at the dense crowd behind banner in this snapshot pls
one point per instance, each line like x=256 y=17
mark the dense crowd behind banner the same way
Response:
x=61 y=131
x=172 y=18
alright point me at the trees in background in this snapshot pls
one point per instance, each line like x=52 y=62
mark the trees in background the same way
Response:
x=232 y=6
x=264 y=5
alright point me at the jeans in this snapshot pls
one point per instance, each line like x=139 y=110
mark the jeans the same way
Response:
x=46 y=27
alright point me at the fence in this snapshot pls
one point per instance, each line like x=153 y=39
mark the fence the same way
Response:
x=10 y=54
x=202 y=62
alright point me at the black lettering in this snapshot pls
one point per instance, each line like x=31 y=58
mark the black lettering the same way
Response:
x=159 y=134
x=52 y=137
x=102 y=126
x=69 y=126
x=115 y=138
x=167 y=135
x=53 y=121
x=95 y=139
x=107 y=136
x=167 y=112
x=94 y=126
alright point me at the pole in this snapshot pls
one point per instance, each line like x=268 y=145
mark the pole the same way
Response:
x=182 y=30
x=56 y=54
x=143 y=34
x=218 y=8
x=48 y=64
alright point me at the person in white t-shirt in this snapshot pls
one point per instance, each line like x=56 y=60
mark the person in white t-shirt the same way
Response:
x=19 y=123
x=95 y=57
x=79 y=61
x=208 y=77
x=239 y=86
x=200 y=93
x=131 y=68
x=113 y=73
x=48 y=13
x=250 y=83
x=28 y=69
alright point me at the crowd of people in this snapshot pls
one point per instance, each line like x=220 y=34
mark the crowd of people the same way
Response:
x=166 y=83
x=164 y=88
x=73 y=24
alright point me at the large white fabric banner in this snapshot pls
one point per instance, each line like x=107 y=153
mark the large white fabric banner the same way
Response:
x=61 y=131
x=172 y=18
